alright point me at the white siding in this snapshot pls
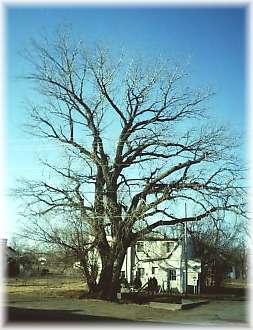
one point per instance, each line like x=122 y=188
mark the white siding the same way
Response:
x=155 y=254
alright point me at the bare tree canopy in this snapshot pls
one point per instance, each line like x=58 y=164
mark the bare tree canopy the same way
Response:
x=220 y=245
x=137 y=145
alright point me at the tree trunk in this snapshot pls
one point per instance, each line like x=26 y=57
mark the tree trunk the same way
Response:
x=89 y=276
x=218 y=274
x=108 y=287
x=202 y=280
x=109 y=281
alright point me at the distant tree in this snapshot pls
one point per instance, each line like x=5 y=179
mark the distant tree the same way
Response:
x=240 y=258
x=137 y=143
x=26 y=256
x=219 y=248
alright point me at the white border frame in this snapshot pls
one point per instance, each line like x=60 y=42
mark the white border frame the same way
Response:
x=123 y=3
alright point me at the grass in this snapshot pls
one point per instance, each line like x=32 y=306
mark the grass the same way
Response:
x=56 y=286
x=46 y=286
x=236 y=283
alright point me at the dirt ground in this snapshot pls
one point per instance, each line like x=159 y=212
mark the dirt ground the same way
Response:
x=51 y=294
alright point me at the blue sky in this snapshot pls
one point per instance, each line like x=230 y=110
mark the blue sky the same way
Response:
x=212 y=40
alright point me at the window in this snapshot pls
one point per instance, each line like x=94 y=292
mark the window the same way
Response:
x=154 y=270
x=172 y=275
x=122 y=273
x=140 y=246
x=141 y=271
x=170 y=246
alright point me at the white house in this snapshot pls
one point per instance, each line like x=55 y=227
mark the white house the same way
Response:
x=164 y=259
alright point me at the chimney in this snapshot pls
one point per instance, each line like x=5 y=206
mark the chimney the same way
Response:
x=3 y=242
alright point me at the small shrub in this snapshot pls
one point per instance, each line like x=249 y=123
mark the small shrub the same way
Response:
x=44 y=271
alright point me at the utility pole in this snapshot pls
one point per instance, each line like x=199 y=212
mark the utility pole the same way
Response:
x=185 y=252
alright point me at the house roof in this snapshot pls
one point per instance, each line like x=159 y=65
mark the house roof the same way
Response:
x=158 y=237
x=10 y=248
x=10 y=252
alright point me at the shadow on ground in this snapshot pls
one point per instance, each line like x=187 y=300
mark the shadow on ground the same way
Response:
x=41 y=315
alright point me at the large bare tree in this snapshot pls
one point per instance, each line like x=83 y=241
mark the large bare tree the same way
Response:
x=138 y=143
